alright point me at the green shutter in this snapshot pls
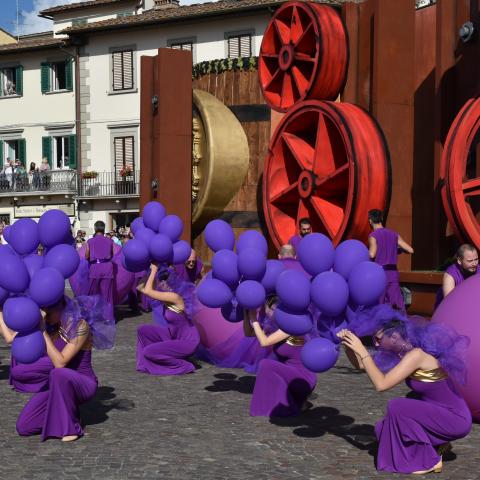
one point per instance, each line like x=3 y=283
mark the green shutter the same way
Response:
x=19 y=80
x=22 y=151
x=69 y=75
x=47 y=149
x=72 y=151
x=1 y=153
x=45 y=77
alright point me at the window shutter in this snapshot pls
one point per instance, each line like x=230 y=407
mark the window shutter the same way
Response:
x=118 y=154
x=45 y=77
x=22 y=151
x=122 y=70
x=233 y=47
x=127 y=70
x=129 y=153
x=69 y=74
x=19 y=80
x=72 y=151
x=124 y=153
x=47 y=149
x=245 y=46
x=1 y=153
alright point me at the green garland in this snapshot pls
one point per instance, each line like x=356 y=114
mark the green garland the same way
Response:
x=225 y=65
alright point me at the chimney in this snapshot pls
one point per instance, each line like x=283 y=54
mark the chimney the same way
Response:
x=162 y=4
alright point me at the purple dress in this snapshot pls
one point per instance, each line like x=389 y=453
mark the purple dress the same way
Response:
x=32 y=377
x=458 y=276
x=387 y=248
x=412 y=429
x=163 y=350
x=54 y=412
x=282 y=386
x=101 y=271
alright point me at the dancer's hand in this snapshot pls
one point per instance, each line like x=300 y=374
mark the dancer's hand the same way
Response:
x=351 y=341
x=42 y=324
x=154 y=267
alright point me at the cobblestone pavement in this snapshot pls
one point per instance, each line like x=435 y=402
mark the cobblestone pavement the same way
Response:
x=197 y=427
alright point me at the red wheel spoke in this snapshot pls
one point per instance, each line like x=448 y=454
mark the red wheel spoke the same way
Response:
x=328 y=187
x=303 y=57
x=471 y=188
x=283 y=31
x=296 y=29
x=300 y=80
x=288 y=97
x=302 y=151
x=287 y=195
x=270 y=55
x=324 y=155
x=302 y=211
x=304 y=44
x=275 y=81
x=330 y=214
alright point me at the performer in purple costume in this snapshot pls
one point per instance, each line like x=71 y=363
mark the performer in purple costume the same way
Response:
x=287 y=255
x=383 y=245
x=415 y=432
x=191 y=270
x=304 y=228
x=163 y=350
x=465 y=266
x=282 y=386
x=72 y=327
x=99 y=253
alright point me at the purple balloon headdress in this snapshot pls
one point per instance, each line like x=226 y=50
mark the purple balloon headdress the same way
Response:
x=169 y=280
x=440 y=341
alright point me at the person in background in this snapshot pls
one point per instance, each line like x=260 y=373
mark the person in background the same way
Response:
x=383 y=245
x=34 y=175
x=2 y=238
x=113 y=236
x=45 y=173
x=304 y=228
x=191 y=270
x=287 y=255
x=8 y=171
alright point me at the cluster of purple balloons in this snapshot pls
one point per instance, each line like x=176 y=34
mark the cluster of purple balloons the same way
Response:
x=157 y=239
x=237 y=279
x=29 y=281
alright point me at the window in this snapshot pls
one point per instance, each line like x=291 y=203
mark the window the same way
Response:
x=12 y=150
x=122 y=70
x=78 y=22
x=182 y=46
x=60 y=151
x=124 y=14
x=11 y=80
x=57 y=76
x=124 y=156
x=239 y=45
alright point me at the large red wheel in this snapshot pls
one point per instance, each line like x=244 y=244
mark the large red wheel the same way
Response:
x=460 y=174
x=327 y=161
x=304 y=55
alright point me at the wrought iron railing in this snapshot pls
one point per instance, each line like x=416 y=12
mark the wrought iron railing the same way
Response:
x=109 y=184
x=50 y=181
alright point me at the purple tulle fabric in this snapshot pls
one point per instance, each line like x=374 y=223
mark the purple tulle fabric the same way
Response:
x=176 y=283
x=440 y=341
x=90 y=309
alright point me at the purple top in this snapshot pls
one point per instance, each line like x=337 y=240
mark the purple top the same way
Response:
x=180 y=327
x=458 y=276
x=294 y=264
x=295 y=241
x=190 y=274
x=101 y=249
x=387 y=246
x=82 y=361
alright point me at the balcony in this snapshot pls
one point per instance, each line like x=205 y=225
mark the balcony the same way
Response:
x=50 y=182
x=109 y=184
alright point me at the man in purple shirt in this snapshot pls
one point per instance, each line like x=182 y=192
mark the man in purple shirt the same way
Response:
x=99 y=254
x=304 y=228
x=383 y=245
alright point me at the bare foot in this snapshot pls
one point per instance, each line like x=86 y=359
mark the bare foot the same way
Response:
x=435 y=469
x=69 y=438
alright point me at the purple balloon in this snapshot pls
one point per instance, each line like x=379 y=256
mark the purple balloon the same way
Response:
x=316 y=253
x=53 y=228
x=6 y=233
x=161 y=248
x=252 y=264
x=250 y=294
x=4 y=294
x=225 y=267
x=367 y=283
x=348 y=254
x=232 y=313
x=152 y=215
x=219 y=235
x=144 y=235
x=328 y=326
x=6 y=250
x=47 y=287
x=133 y=267
x=28 y=348
x=252 y=239
x=214 y=293
x=181 y=252
x=136 y=253
x=293 y=288
x=21 y=314
x=13 y=274
x=172 y=227
x=329 y=292
x=273 y=270
x=63 y=258
x=24 y=236
x=294 y=323
x=319 y=355
x=136 y=225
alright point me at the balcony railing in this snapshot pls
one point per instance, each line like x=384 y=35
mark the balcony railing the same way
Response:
x=51 y=181
x=109 y=184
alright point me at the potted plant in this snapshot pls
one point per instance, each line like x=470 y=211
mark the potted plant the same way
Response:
x=89 y=174
x=126 y=171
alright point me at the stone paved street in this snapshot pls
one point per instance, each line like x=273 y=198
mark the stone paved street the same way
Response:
x=197 y=427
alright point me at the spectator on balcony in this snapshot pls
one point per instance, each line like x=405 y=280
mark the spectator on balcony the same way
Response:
x=8 y=172
x=9 y=88
x=99 y=253
x=34 y=175
x=45 y=174
x=20 y=176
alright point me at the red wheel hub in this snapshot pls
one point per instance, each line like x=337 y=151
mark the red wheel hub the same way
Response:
x=304 y=55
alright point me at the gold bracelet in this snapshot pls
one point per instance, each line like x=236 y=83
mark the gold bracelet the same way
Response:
x=365 y=356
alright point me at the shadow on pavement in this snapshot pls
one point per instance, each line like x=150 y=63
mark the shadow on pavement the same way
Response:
x=229 y=382
x=96 y=410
